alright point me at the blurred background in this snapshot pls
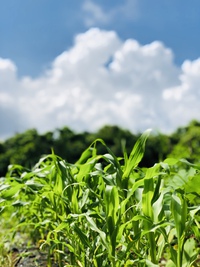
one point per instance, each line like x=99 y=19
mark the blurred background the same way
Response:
x=77 y=70
x=86 y=64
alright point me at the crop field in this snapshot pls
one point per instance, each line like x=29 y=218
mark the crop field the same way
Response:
x=103 y=210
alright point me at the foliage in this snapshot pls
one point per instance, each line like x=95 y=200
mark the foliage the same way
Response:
x=188 y=142
x=26 y=148
x=105 y=210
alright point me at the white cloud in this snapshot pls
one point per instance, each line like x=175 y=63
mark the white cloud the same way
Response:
x=102 y=80
x=95 y=14
x=129 y=9
x=183 y=100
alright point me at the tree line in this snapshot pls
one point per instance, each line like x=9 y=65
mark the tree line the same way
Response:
x=26 y=148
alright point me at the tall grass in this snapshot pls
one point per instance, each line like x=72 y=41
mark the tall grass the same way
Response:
x=107 y=211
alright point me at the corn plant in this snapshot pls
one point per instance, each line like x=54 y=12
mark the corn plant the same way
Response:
x=107 y=211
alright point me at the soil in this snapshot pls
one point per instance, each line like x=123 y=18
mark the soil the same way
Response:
x=29 y=257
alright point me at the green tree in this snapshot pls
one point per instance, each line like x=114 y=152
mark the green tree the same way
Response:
x=24 y=149
x=113 y=136
x=187 y=142
x=70 y=145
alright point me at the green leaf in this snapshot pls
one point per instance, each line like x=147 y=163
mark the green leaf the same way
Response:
x=19 y=203
x=170 y=264
x=147 y=196
x=12 y=191
x=82 y=236
x=96 y=229
x=193 y=185
x=136 y=154
x=34 y=185
x=152 y=171
x=150 y=264
x=4 y=187
x=179 y=213
x=86 y=155
x=190 y=252
x=171 y=161
x=157 y=208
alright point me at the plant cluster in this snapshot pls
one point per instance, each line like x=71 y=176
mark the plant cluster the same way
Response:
x=105 y=210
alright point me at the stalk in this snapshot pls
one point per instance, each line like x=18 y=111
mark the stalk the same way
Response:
x=179 y=213
x=152 y=243
x=180 y=251
x=147 y=197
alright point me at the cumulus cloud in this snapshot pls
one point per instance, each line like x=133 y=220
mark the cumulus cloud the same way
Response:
x=102 y=80
x=183 y=100
x=94 y=13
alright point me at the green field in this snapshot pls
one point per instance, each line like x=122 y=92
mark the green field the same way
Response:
x=103 y=210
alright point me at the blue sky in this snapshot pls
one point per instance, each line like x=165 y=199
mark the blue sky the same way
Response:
x=33 y=33
x=40 y=38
